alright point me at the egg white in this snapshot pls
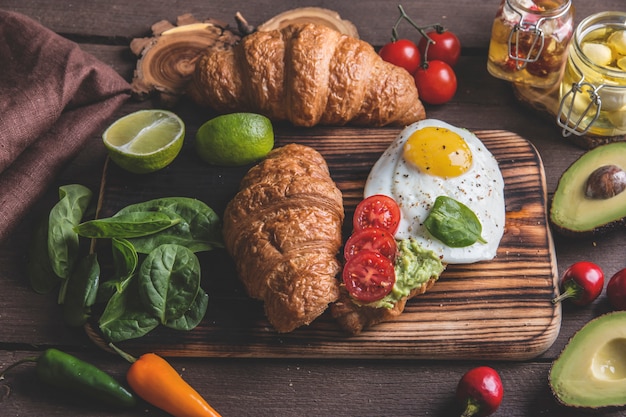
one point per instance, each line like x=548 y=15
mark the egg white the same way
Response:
x=481 y=188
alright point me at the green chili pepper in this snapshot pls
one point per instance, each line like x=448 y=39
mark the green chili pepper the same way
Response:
x=67 y=372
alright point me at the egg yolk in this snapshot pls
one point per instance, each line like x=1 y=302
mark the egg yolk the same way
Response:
x=438 y=151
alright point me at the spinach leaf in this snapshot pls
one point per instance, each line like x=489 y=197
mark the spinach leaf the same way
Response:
x=127 y=225
x=81 y=291
x=125 y=260
x=199 y=227
x=63 y=242
x=453 y=223
x=124 y=316
x=194 y=315
x=41 y=276
x=169 y=281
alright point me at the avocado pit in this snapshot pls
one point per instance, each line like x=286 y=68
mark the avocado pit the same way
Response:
x=606 y=182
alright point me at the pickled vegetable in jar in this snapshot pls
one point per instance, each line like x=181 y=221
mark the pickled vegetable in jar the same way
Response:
x=593 y=89
x=529 y=41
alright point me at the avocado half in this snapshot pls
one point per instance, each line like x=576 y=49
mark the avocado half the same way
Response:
x=590 y=198
x=590 y=372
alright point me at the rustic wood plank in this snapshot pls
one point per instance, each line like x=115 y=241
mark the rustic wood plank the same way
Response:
x=497 y=310
x=286 y=387
x=115 y=21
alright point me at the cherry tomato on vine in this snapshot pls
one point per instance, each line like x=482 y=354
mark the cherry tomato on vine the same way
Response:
x=373 y=239
x=402 y=53
x=436 y=82
x=616 y=290
x=368 y=276
x=480 y=391
x=377 y=211
x=445 y=47
x=582 y=282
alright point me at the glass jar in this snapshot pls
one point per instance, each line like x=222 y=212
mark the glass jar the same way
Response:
x=593 y=89
x=529 y=40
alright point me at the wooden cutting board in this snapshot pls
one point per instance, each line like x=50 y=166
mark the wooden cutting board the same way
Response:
x=500 y=309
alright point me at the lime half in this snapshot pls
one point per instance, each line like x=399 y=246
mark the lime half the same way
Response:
x=145 y=141
x=235 y=139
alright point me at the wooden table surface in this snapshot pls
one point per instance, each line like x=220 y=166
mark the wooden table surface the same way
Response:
x=30 y=323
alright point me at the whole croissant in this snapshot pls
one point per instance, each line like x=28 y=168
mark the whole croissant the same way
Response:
x=283 y=229
x=307 y=74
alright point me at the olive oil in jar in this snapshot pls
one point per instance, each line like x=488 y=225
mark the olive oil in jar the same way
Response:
x=593 y=90
x=529 y=41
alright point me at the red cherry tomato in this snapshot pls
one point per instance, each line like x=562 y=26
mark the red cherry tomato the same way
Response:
x=436 y=82
x=368 y=276
x=402 y=53
x=445 y=47
x=616 y=290
x=582 y=282
x=373 y=239
x=377 y=211
x=480 y=391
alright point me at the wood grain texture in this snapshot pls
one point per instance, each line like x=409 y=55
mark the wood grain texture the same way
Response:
x=497 y=310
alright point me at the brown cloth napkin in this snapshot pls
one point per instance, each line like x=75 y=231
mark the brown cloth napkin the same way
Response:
x=53 y=98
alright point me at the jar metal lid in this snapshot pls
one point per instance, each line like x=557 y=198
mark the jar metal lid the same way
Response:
x=580 y=124
x=533 y=30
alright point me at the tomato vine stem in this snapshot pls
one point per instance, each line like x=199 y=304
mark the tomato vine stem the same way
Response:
x=420 y=29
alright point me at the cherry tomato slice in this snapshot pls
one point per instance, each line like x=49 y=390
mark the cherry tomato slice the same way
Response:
x=377 y=211
x=373 y=239
x=369 y=276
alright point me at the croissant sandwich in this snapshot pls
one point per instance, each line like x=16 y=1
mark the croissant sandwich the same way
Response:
x=307 y=74
x=283 y=229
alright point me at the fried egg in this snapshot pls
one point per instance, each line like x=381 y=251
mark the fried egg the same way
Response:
x=431 y=158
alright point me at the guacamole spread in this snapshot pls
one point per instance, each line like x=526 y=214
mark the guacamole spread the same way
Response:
x=413 y=267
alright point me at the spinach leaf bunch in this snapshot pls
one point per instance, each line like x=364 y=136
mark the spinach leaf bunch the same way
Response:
x=156 y=277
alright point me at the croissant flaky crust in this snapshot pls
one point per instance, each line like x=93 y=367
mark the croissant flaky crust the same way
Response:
x=283 y=229
x=307 y=74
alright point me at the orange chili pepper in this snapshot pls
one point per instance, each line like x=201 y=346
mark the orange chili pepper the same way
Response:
x=152 y=378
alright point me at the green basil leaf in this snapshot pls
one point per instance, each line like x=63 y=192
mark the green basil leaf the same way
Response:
x=81 y=291
x=194 y=315
x=169 y=281
x=127 y=225
x=63 y=242
x=453 y=223
x=199 y=227
x=41 y=276
x=124 y=316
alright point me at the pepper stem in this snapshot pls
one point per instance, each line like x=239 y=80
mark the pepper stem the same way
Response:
x=128 y=357
x=571 y=290
x=472 y=408
x=18 y=363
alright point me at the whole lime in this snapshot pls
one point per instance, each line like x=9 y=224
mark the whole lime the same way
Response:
x=235 y=139
x=145 y=141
